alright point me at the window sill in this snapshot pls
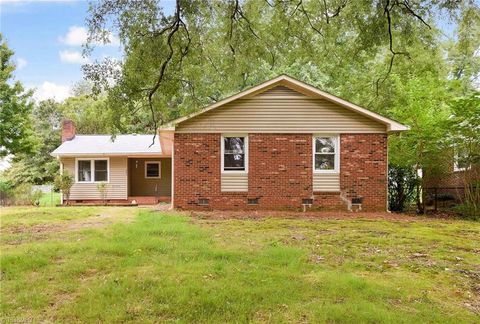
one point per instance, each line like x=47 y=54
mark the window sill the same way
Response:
x=91 y=182
x=326 y=172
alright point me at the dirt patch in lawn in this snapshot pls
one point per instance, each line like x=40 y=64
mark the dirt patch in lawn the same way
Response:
x=104 y=218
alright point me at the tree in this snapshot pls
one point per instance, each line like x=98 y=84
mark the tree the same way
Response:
x=464 y=138
x=177 y=62
x=16 y=131
x=38 y=166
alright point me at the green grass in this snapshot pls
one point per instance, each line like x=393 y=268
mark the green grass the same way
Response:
x=169 y=267
x=50 y=199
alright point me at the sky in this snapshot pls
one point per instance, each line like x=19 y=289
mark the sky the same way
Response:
x=47 y=38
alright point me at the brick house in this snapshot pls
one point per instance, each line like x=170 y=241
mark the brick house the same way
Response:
x=280 y=145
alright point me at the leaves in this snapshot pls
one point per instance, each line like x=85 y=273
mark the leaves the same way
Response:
x=16 y=131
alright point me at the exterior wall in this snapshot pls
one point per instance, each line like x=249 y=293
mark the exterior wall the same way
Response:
x=451 y=183
x=363 y=168
x=280 y=169
x=280 y=172
x=141 y=186
x=280 y=110
x=117 y=186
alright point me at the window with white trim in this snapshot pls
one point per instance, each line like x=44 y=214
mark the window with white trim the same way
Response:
x=460 y=162
x=234 y=153
x=325 y=154
x=152 y=170
x=92 y=170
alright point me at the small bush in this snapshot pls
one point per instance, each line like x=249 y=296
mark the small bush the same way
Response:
x=468 y=211
x=35 y=197
x=22 y=194
x=64 y=182
x=6 y=193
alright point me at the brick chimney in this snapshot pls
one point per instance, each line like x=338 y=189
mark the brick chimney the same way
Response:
x=68 y=130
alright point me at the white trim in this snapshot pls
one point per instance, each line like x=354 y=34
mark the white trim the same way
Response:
x=336 y=162
x=92 y=169
x=123 y=154
x=61 y=173
x=222 y=150
x=391 y=125
x=159 y=163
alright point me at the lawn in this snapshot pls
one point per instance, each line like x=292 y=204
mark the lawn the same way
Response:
x=106 y=264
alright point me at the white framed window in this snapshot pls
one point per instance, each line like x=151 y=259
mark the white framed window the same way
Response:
x=92 y=170
x=460 y=161
x=153 y=169
x=326 y=153
x=234 y=153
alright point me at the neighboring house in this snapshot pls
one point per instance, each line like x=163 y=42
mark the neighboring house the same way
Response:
x=452 y=182
x=282 y=144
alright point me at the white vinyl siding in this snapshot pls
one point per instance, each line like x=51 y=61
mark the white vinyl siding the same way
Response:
x=116 y=187
x=280 y=110
x=326 y=182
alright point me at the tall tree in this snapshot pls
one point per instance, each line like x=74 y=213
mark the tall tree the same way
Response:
x=177 y=62
x=16 y=131
x=39 y=167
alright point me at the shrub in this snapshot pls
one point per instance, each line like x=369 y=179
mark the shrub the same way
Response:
x=102 y=188
x=6 y=193
x=22 y=194
x=64 y=183
x=35 y=197
x=402 y=184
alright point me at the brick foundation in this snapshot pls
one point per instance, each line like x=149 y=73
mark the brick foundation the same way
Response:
x=280 y=172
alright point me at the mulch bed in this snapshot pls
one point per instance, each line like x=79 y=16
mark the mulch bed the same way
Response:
x=259 y=214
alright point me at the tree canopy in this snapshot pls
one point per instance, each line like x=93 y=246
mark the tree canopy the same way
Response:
x=16 y=130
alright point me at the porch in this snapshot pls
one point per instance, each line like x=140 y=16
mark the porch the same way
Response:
x=149 y=180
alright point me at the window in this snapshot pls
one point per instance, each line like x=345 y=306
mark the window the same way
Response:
x=152 y=169
x=84 y=171
x=92 y=170
x=101 y=170
x=460 y=162
x=325 y=157
x=234 y=153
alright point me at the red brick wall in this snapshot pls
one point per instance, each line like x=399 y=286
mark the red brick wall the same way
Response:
x=196 y=168
x=363 y=169
x=280 y=169
x=280 y=172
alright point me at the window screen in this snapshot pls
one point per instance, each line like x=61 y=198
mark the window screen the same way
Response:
x=234 y=153
x=325 y=150
x=101 y=170
x=152 y=170
x=84 y=171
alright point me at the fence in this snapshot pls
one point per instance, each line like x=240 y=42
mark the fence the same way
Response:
x=444 y=196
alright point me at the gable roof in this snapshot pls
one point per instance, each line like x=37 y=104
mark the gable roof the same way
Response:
x=284 y=80
x=85 y=145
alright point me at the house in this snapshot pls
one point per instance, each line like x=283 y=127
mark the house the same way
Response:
x=452 y=181
x=282 y=144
